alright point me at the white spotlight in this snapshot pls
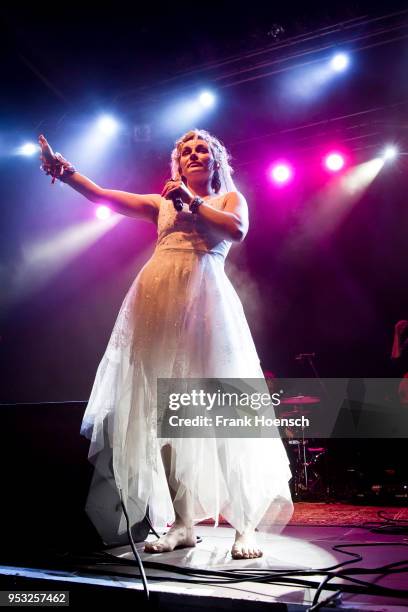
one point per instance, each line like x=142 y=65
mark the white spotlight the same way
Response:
x=108 y=125
x=340 y=62
x=390 y=152
x=28 y=149
x=103 y=212
x=207 y=99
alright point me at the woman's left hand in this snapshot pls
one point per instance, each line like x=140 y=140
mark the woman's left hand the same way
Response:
x=177 y=188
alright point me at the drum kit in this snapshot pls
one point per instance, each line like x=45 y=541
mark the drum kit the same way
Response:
x=307 y=456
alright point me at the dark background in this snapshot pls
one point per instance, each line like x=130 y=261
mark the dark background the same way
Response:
x=336 y=293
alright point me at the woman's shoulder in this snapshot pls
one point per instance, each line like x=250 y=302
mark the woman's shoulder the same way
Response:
x=234 y=194
x=234 y=197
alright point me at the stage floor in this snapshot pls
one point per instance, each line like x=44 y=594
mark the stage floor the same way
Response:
x=296 y=548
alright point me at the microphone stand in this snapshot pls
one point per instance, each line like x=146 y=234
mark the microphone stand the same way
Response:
x=309 y=357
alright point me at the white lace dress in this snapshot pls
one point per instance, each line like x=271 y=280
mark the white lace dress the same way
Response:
x=183 y=318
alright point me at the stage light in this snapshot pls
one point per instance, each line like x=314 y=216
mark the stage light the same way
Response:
x=28 y=149
x=334 y=162
x=207 y=99
x=103 y=212
x=45 y=258
x=390 y=153
x=340 y=62
x=93 y=144
x=185 y=111
x=281 y=173
x=108 y=125
x=330 y=205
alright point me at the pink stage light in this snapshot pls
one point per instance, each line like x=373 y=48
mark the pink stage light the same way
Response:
x=281 y=173
x=103 y=212
x=334 y=162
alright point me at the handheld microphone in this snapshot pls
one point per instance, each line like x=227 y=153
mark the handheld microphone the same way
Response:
x=177 y=202
x=175 y=197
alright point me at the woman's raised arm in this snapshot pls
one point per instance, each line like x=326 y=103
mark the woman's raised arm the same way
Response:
x=142 y=206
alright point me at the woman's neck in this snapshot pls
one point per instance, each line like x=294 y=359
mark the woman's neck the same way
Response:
x=203 y=190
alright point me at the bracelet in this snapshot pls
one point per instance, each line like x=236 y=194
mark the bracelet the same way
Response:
x=59 y=168
x=195 y=205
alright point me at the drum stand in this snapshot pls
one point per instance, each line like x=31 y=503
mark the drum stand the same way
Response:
x=302 y=483
x=301 y=479
x=306 y=475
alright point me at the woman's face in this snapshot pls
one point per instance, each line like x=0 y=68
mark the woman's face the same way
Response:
x=196 y=159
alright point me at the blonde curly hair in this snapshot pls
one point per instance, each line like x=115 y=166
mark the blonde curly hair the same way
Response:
x=221 y=181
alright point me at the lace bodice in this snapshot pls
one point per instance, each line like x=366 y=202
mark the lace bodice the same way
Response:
x=185 y=231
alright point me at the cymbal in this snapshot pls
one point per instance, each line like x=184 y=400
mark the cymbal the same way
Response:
x=295 y=412
x=300 y=400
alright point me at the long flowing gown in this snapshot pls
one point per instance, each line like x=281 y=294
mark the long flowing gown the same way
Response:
x=182 y=318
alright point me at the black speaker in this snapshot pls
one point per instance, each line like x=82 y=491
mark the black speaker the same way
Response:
x=46 y=478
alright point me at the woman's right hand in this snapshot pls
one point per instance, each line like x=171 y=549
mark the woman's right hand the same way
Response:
x=47 y=154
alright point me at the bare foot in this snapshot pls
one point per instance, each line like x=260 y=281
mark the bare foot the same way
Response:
x=245 y=546
x=178 y=536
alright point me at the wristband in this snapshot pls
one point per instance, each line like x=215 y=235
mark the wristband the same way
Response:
x=58 y=168
x=195 y=205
